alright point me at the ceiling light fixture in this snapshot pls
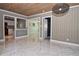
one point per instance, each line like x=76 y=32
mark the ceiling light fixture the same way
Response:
x=60 y=8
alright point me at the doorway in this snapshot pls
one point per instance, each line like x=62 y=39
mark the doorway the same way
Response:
x=9 y=29
x=47 y=28
x=34 y=29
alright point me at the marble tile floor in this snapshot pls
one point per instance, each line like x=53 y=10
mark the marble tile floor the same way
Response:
x=29 y=47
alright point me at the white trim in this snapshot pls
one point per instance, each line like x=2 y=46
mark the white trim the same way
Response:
x=15 y=16
x=15 y=20
x=15 y=27
x=61 y=42
x=8 y=15
x=28 y=27
x=12 y=12
x=21 y=37
x=51 y=28
x=22 y=29
x=43 y=26
x=2 y=40
x=3 y=28
x=39 y=26
x=74 y=6
x=4 y=25
x=22 y=19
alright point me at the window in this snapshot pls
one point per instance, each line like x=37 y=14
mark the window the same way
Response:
x=21 y=23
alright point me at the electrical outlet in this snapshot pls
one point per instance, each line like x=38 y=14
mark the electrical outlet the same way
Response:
x=67 y=39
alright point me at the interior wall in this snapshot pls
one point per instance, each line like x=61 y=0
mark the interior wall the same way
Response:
x=3 y=12
x=40 y=15
x=21 y=33
x=64 y=28
x=1 y=26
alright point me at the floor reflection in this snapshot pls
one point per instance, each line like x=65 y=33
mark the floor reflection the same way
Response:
x=29 y=47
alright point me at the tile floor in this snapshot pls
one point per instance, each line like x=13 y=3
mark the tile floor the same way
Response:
x=29 y=47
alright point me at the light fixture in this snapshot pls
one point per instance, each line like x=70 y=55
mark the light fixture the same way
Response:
x=60 y=8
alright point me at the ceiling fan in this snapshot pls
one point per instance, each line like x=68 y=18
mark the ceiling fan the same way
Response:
x=60 y=8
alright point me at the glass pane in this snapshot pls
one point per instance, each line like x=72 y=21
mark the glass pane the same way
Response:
x=21 y=23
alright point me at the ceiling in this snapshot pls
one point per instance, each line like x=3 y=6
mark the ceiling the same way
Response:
x=29 y=8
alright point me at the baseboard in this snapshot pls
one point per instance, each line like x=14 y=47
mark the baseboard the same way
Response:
x=41 y=38
x=56 y=41
x=21 y=37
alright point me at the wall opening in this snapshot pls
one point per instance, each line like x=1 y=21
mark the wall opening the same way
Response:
x=47 y=28
x=9 y=28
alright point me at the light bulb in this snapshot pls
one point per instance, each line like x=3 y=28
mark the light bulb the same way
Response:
x=60 y=9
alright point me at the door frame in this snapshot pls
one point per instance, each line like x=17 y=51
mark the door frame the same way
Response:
x=43 y=26
x=37 y=18
x=4 y=26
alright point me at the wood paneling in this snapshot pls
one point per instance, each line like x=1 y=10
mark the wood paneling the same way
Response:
x=28 y=8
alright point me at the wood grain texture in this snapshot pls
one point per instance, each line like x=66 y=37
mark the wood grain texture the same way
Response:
x=29 y=8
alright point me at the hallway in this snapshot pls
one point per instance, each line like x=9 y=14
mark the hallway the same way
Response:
x=29 y=47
